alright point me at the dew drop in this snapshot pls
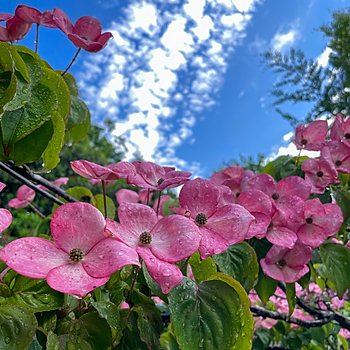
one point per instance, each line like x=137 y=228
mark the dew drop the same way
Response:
x=213 y=298
x=189 y=283
x=70 y=346
x=77 y=326
x=7 y=340
x=167 y=272
x=186 y=297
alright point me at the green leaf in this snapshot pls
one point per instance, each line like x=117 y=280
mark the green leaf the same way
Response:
x=34 y=69
x=17 y=327
x=150 y=325
x=201 y=269
x=291 y=297
x=6 y=61
x=19 y=64
x=22 y=96
x=98 y=203
x=10 y=92
x=240 y=262
x=168 y=342
x=117 y=292
x=30 y=148
x=5 y=81
x=78 y=113
x=66 y=342
x=211 y=315
x=54 y=81
x=23 y=49
x=35 y=294
x=265 y=287
x=131 y=339
x=4 y=290
x=90 y=327
x=53 y=149
x=47 y=321
x=78 y=132
x=43 y=228
x=109 y=312
x=35 y=345
x=22 y=122
x=336 y=259
x=343 y=341
x=71 y=83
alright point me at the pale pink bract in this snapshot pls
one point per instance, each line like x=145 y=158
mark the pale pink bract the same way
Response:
x=24 y=196
x=77 y=229
x=5 y=215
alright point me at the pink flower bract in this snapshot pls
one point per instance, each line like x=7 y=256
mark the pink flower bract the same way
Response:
x=86 y=32
x=80 y=259
x=159 y=243
x=24 y=196
x=5 y=215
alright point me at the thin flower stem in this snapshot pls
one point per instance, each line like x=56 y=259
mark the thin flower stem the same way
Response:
x=37 y=38
x=297 y=162
x=149 y=190
x=130 y=294
x=104 y=197
x=37 y=211
x=160 y=193
x=70 y=64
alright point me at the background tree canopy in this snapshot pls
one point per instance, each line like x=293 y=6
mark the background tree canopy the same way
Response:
x=305 y=80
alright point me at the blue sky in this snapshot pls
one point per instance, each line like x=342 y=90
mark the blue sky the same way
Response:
x=182 y=80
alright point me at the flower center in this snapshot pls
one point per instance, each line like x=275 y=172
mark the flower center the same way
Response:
x=160 y=181
x=271 y=225
x=347 y=136
x=275 y=196
x=237 y=194
x=337 y=163
x=319 y=174
x=145 y=238
x=303 y=142
x=201 y=219
x=76 y=255
x=308 y=220
x=281 y=263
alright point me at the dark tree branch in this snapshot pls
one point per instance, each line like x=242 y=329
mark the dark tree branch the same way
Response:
x=321 y=314
x=21 y=174
x=257 y=311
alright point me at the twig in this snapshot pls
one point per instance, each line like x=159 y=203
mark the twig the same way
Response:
x=257 y=311
x=72 y=61
x=21 y=174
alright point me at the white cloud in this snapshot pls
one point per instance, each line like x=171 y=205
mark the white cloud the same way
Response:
x=282 y=41
x=324 y=57
x=163 y=59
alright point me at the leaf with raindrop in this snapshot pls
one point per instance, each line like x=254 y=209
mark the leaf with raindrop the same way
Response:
x=17 y=327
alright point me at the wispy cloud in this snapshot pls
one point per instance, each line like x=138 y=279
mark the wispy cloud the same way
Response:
x=283 y=39
x=163 y=68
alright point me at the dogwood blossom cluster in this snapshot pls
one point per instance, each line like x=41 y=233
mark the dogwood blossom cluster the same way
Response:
x=86 y=33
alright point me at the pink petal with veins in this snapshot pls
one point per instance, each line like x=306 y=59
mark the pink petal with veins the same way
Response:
x=73 y=279
x=5 y=219
x=294 y=186
x=33 y=257
x=211 y=243
x=28 y=14
x=199 y=196
x=62 y=21
x=174 y=238
x=25 y=193
x=167 y=275
x=109 y=256
x=231 y=222
x=87 y=27
x=126 y=196
x=262 y=182
x=77 y=225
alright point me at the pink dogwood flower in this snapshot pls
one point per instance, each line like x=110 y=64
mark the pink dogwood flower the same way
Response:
x=5 y=215
x=81 y=257
x=159 y=243
x=320 y=221
x=340 y=154
x=153 y=176
x=311 y=137
x=24 y=196
x=220 y=226
x=341 y=130
x=16 y=29
x=129 y=196
x=32 y=15
x=86 y=32
x=94 y=171
x=321 y=172
x=287 y=265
